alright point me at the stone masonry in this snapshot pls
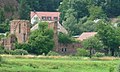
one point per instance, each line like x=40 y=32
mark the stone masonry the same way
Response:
x=21 y=29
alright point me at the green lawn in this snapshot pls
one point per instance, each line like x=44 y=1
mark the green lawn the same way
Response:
x=56 y=65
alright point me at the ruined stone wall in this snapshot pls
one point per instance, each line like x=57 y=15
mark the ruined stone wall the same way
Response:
x=53 y=25
x=67 y=49
x=8 y=42
x=21 y=29
x=64 y=49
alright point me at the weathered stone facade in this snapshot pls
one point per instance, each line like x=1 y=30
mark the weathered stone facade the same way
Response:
x=68 y=49
x=63 y=49
x=19 y=31
x=8 y=42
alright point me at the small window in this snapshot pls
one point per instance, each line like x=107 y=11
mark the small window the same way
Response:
x=35 y=18
x=49 y=18
x=43 y=18
x=64 y=49
x=55 y=18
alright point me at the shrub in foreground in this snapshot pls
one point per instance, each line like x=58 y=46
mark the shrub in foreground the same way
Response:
x=98 y=54
x=118 y=68
x=19 y=52
x=1 y=50
x=52 y=53
x=82 y=52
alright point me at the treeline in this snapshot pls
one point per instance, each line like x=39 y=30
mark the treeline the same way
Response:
x=25 y=6
x=78 y=15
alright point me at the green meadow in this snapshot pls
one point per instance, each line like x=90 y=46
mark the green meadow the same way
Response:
x=56 y=64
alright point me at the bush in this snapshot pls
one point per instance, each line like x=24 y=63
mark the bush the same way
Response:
x=98 y=54
x=0 y=59
x=52 y=53
x=19 y=52
x=2 y=50
x=118 y=68
x=82 y=52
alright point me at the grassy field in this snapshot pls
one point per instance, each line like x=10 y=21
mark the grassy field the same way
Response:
x=56 y=64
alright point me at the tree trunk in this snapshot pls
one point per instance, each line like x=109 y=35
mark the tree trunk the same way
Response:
x=112 y=52
x=90 y=53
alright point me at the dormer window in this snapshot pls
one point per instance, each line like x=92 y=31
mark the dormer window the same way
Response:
x=56 y=18
x=43 y=18
x=49 y=18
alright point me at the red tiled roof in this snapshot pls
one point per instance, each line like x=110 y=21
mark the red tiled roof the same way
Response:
x=86 y=35
x=39 y=14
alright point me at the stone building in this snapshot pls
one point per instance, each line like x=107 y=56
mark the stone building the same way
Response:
x=19 y=31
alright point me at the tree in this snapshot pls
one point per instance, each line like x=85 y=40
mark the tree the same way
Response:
x=25 y=46
x=4 y=27
x=24 y=9
x=96 y=12
x=91 y=44
x=65 y=38
x=112 y=8
x=70 y=24
x=109 y=35
x=88 y=26
x=79 y=7
x=41 y=40
x=2 y=15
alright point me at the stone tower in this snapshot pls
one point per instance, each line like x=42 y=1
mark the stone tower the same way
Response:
x=21 y=29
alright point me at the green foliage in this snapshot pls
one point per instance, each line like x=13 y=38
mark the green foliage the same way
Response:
x=19 y=52
x=24 y=46
x=0 y=59
x=98 y=54
x=1 y=50
x=52 y=53
x=91 y=44
x=2 y=15
x=55 y=64
x=74 y=10
x=41 y=40
x=24 y=9
x=65 y=38
x=1 y=36
x=109 y=35
x=68 y=24
x=88 y=26
x=96 y=12
x=118 y=68
x=82 y=52
x=5 y=27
